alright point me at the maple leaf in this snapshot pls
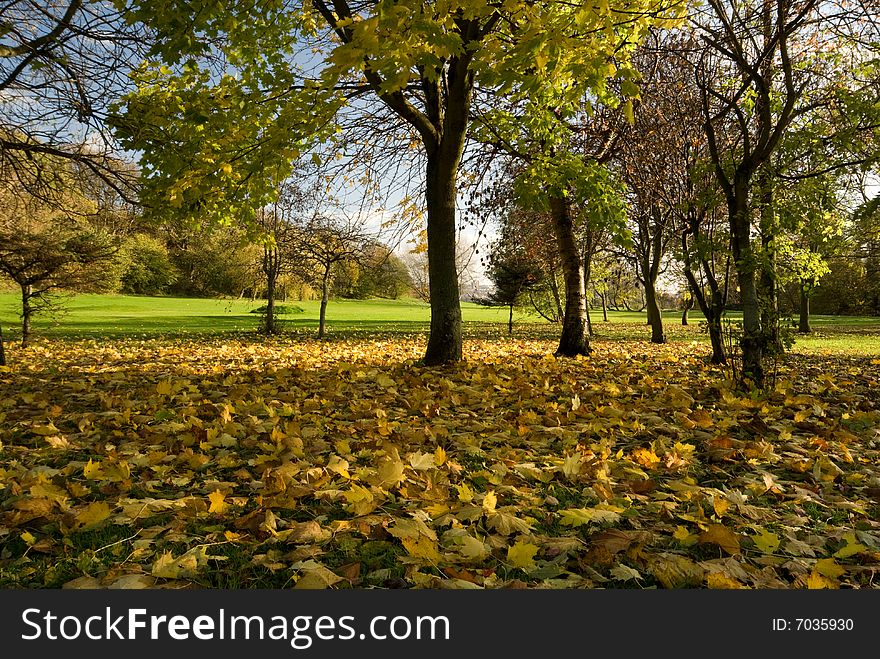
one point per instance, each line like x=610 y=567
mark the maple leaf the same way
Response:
x=602 y=514
x=184 y=566
x=830 y=568
x=92 y=515
x=314 y=576
x=766 y=541
x=625 y=573
x=718 y=534
x=522 y=555
x=218 y=502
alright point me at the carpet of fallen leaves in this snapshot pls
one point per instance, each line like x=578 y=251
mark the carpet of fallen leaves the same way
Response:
x=241 y=463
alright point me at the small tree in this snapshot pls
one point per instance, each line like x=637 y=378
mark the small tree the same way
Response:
x=44 y=250
x=513 y=274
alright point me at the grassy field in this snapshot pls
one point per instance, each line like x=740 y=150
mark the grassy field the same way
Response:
x=121 y=316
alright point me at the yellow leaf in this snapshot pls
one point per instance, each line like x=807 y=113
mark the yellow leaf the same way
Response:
x=187 y=565
x=766 y=541
x=716 y=580
x=316 y=577
x=164 y=388
x=718 y=534
x=851 y=548
x=421 y=461
x=93 y=514
x=601 y=514
x=473 y=549
x=422 y=547
x=218 y=503
x=490 y=501
x=92 y=470
x=817 y=582
x=46 y=430
x=828 y=567
x=390 y=472
x=28 y=537
x=522 y=555
x=720 y=505
x=465 y=494
x=646 y=457
x=685 y=537
x=439 y=456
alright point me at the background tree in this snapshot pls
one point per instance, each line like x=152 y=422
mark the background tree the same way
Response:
x=766 y=67
x=45 y=250
x=147 y=267
x=513 y=274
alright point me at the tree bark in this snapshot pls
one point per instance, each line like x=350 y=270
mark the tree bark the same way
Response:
x=752 y=342
x=2 y=349
x=27 y=312
x=444 y=340
x=688 y=305
x=588 y=270
x=713 y=308
x=654 y=316
x=270 y=268
x=804 y=315
x=575 y=338
x=768 y=293
x=604 y=307
x=325 y=297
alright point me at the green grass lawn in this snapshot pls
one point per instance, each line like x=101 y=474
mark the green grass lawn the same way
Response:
x=92 y=316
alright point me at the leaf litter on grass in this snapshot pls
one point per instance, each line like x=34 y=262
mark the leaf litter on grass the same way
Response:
x=297 y=463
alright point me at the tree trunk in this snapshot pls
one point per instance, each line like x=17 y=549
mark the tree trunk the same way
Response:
x=713 y=308
x=604 y=307
x=768 y=293
x=444 y=340
x=270 y=268
x=588 y=270
x=325 y=297
x=510 y=320
x=654 y=316
x=554 y=290
x=804 y=319
x=752 y=342
x=688 y=305
x=27 y=312
x=2 y=349
x=574 y=339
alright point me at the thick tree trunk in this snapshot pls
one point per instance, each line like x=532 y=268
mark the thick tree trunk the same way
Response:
x=325 y=297
x=654 y=316
x=444 y=341
x=575 y=338
x=804 y=316
x=27 y=312
x=554 y=290
x=752 y=342
x=768 y=293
